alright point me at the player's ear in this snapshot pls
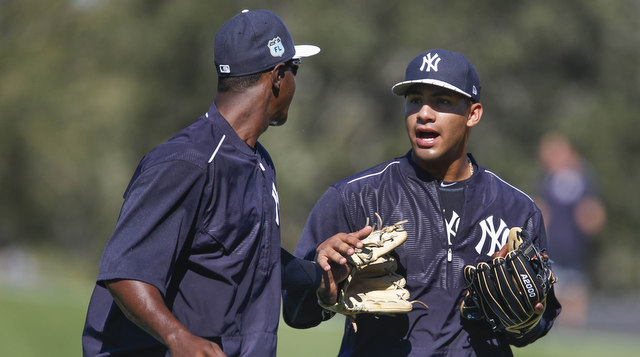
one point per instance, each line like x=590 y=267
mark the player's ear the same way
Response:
x=475 y=113
x=277 y=76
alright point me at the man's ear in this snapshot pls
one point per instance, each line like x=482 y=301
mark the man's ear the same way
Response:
x=276 y=76
x=475 y=113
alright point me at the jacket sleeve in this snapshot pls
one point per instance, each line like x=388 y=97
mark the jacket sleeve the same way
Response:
x=157 y=217
x=299 y=274
x=552 y=310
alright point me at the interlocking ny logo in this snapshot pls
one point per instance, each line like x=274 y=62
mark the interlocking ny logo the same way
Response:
x=430 y=62
x=452 y=226
x=497 y=236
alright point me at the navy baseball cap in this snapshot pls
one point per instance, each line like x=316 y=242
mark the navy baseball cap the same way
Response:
x=254 y=41
x=441 y=68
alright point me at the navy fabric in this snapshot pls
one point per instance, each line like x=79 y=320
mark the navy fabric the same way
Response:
x=442 y=68
x=562 y=192
x=299 y=274
x=431 y=261
x=199 y=222
x=252 y=42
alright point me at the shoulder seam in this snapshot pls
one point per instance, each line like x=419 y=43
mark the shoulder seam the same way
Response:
x=508 y=184
x=375 y=173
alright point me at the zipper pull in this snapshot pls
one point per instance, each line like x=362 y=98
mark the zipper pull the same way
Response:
x=449 y=254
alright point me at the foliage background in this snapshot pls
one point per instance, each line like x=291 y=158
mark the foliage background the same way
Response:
x=87 y=87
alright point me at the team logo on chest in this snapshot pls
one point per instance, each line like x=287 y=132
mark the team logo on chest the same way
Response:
x=493 y=237
x=452 y=226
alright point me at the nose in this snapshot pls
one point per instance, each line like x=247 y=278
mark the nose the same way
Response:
x=426 y=113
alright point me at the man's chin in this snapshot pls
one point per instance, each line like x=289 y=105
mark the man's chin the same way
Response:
x=278 y=122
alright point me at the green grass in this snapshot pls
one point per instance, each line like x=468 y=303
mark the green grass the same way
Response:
x=40 y=324
x=48 y=322
x=45 y=318
x=320 y=341
x=324 y=340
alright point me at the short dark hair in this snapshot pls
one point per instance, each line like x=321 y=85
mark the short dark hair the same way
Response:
x=237 y=84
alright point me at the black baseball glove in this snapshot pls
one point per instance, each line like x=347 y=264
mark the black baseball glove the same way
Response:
x=510 y=291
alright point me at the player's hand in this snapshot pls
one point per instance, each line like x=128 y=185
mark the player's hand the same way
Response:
x=538 y=308
x=328 y=290
x=185 y=344
x=330 y=256
x=335 y=248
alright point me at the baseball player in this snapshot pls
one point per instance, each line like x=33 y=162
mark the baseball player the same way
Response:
x=457 y=213
x=194 y=265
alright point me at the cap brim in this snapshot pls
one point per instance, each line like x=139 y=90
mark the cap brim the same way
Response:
x=401 y=88
x=306 y=51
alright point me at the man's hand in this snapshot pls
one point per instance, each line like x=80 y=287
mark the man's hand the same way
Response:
x=143 y=304
x=185 y=344
x=330 y=256
x=334 y=248
x=328 y=290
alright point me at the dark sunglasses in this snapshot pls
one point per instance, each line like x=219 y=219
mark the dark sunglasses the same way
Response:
x=292 y=65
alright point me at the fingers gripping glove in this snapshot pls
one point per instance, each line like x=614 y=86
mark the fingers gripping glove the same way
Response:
x=505 y=291
x=373 y=286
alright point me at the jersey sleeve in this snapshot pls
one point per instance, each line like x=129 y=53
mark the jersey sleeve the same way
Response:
x=299 y=274
x=300 y=307
x=156 y=219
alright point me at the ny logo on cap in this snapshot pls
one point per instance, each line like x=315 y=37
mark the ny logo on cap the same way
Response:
x=275 y=47
x=429 y=62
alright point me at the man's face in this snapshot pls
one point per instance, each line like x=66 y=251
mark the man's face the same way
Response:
x=438 y=122
x=285 y=94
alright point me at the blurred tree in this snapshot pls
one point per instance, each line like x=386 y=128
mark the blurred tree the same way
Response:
x=89 y=86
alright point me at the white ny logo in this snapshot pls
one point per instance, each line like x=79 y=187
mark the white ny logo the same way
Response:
x=452 y=226
x=498 y=236
x=429 y=61
x=274 y=194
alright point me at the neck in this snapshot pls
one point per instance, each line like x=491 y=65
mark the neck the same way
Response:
x=458 y=170
x=243 y=111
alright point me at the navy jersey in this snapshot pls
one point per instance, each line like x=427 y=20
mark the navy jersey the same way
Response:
x=200 y=223
x=432 y=258
x=562 y=191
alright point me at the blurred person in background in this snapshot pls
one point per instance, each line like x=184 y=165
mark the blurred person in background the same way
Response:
x=573 y=213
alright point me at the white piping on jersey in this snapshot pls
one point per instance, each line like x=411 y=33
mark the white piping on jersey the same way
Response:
x=217 y=147
x=261 y=167
x=374 y=174
x=508 y=184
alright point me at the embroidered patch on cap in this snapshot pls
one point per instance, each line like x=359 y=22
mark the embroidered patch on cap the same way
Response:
x=275 y=47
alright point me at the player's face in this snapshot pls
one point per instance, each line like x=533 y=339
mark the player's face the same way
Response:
x=438 y=123
x=285 y=93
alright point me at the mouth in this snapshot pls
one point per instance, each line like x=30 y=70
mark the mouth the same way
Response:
x=426 y=137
